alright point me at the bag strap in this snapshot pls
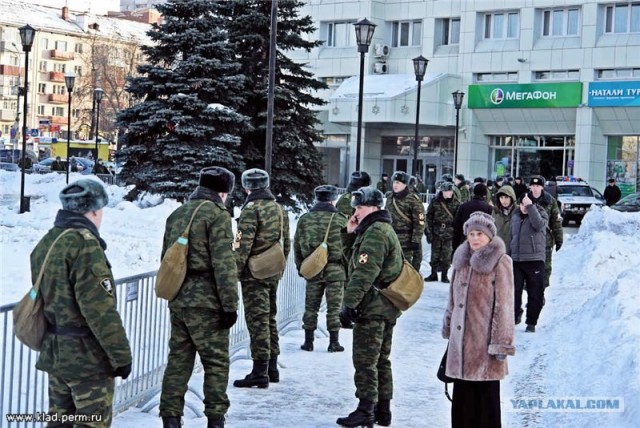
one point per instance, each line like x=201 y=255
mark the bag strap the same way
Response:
x=185 y=234
x=399 y=211
x=446 y=209
x=36 y=286
x=326 y=235
x=281 y=222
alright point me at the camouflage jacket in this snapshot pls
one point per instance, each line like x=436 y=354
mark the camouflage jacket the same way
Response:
x=212 y=279
x=411 y=228
x=375 y=259
x=78 y=291
x=344 y=205
x=310 y=232
x=259 y=227
x=440 y=215
x=464 y=193
x=382 y=186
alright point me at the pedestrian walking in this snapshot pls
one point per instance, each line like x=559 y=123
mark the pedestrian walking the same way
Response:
x=503 y=212
x=322 y=226
x=612 y=192
x=478 y=322
x=85 y=346
x=206 y=305
x=262 y=224
x=375 y=260
x=439 y=231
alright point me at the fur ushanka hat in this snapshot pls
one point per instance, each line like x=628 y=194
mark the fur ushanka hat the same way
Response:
x=83 y=196
x=255 y=179
x=218 y=179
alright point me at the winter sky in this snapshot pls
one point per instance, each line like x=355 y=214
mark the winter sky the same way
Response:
x=586 y=347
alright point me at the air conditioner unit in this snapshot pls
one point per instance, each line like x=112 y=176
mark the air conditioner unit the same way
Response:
x=380 y=68
x=381 y=50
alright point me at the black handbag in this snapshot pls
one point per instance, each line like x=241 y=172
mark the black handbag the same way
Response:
x=442 y=374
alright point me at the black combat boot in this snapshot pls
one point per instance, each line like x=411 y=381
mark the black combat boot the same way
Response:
x=215 y=422
x=433 y=277
x=361 y=417
x=273 y=372
x=258 y=376
x=334 y=345
x=382 y=414
x=171 y=422
x=444 y=277
x=308 y=341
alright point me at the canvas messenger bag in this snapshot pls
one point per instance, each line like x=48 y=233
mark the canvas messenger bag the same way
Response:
x=173 y=267
x=270 y=262
x=316 y=261
x=406 y=289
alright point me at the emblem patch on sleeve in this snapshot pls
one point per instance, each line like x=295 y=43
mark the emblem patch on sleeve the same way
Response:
x=363 y=258
x=107 y=285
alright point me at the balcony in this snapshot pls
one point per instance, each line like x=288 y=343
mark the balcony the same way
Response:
x=56 y=76
x=58 y=98
x=9 y=70
x=61 y=55
x=56 y=120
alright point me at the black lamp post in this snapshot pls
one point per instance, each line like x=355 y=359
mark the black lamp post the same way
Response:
x=419 y=67
x=97 y=97
x=27 y=34
x=457 y=102
x=69 y=80
x=364 y=34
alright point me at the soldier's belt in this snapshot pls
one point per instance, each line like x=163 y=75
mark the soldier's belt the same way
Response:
x=61 y=330
x=193 y=272
x=403 y=231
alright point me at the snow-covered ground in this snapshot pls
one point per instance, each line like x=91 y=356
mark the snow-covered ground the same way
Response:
x=586 y=346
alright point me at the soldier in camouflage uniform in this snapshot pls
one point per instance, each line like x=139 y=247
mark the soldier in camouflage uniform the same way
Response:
x=383 y=184
x=206 y=306
x=85 y=346
x=407 y=211
x=262 y=223
x=439 y=230
x=456 y=192
x=461 y=184
x=375 y=260
x=322 y=219
x=358 y=179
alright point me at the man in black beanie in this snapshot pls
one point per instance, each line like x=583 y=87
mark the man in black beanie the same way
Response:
x=358 y=179
x=477 y=203
x=206 y=305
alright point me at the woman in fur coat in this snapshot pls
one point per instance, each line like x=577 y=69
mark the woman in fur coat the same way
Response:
x=479 y=324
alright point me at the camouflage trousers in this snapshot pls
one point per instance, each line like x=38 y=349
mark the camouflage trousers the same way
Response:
x=441 y=250
x=371 y=350
x=547 y=263
x=334 y=291
x=260 y=308
x=90 y=398
x=413 y=256
x=196 y=330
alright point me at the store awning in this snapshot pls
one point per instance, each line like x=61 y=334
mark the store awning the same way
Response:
x=618 y=120
x=526 y=121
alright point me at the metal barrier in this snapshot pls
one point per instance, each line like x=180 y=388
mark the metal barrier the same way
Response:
x=146 y=321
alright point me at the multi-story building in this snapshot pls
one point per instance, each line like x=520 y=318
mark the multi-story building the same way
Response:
x=132 y=5
x=101 y=51
x=551 y=87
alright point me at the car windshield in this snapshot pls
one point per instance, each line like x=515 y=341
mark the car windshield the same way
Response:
x=575 y=191
x=630 y=200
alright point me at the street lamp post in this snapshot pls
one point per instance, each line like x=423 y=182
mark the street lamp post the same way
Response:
x=69 y=80
x=364 y=34
x=27 y=34
x=419 y=67
x=457 y=102
x=97 y=96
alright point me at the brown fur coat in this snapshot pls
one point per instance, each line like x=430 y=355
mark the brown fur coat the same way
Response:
x=479 y=319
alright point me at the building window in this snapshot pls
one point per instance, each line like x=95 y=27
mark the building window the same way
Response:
x=509 y=76
x=78 y=70
x=42 y=88
x=503 y=25
x=334 y=81
x=59 y=89
x=557 y=75
x=40 y=110
x=617 y=73
x=560 y=22
x=78 y=48
x=61 y=46
x=622 y=18
x=42 y=66
x=406 y=33
x=45 y=43
x=75 y=113
x=448 y=31
x=340 y=34
x=57 y=111
x=60 y=68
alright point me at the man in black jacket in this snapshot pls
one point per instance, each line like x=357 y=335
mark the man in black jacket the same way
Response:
x=477 y=203
x=612 y=193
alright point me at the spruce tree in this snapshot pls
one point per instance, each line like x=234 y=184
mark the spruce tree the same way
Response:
x=296 y=162
x=189 y=91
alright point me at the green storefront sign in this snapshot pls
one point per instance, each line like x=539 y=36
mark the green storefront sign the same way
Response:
x=528 y=95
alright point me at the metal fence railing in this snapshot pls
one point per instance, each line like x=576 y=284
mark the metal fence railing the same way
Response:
x=23 y=389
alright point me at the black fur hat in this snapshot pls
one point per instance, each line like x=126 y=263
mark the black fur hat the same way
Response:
x=447 y=177
x=83 y=196
x=536 y=179
x=367 y=196
x=460 y=177
x=478 y=180
x=326 y=193
x=401 y=176
x=480 y=189
x=358 y=179
x=217 y=178
x=255 y=179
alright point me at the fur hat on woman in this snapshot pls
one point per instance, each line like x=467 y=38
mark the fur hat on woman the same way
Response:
x=326 y=193
x=480 y=221
x=367 y=196
x=218 y=179
x=255 y=179
x=83 y=196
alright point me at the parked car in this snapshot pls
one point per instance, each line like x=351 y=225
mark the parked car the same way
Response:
x=628 y=204
x=8 y=166
x=44 y=166
x=576 y=198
